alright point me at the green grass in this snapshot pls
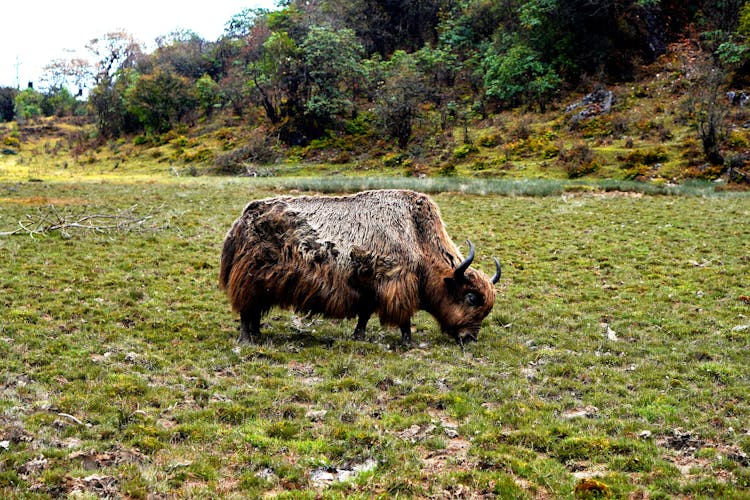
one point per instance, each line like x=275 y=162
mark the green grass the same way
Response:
x=121 y=375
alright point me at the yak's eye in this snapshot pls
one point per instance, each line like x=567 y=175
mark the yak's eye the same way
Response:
x=472 y=299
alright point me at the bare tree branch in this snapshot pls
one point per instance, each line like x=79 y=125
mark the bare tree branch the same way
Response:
x=49 y=219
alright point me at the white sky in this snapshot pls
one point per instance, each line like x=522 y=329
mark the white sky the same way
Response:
x=39 y=31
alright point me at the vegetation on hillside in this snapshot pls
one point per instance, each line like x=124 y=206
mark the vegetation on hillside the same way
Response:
x=614 y=363
x=441 y=86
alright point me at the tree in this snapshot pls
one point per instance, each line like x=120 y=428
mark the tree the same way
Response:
x=107 y=102
x=241 y=25
x=160 y=100
x=388 y=25
x=7 y=103
x=114 y=51
x=75 y=74
x=519 y=76
x=116 y=54
x=28 y=105
x=207 y=94
x=333 y=66
x=275 y=74
x=58 y=101
x=399 y=97
x=710 y=107
x=186 y=53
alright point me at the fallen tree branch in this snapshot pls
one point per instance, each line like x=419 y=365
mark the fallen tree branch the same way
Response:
x=49 y=219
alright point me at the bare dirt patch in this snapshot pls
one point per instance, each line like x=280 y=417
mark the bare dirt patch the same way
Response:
x=39 y=201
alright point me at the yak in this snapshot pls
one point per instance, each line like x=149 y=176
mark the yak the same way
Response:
x=383 y=252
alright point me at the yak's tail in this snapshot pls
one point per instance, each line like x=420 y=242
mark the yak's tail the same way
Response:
x=228 y=251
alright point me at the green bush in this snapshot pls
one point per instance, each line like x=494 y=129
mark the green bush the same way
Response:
x=464 y=150
x=578 y=161
x=392 y=160
x=11 y=141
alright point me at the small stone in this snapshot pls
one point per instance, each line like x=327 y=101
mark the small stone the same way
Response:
x=321 y=476
x=316 y=415
x=451 y=432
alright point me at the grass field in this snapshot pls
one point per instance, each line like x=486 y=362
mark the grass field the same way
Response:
x=615 y=362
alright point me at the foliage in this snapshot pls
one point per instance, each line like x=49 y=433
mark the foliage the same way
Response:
x=184 y=53
x=207 y=93
x=333 y=61
x=160 y=100
x=519 y=76
x=28 y=104
x=59 y=102
x=109 y=106
x=302 y=71
x=7 y=103
x=399 y=96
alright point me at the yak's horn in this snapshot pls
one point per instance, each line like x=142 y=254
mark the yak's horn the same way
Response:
x=463 y=266
x=498 y=271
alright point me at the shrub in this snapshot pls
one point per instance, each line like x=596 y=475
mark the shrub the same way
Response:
x=737 y=139
x=392 y=160
x=578 y=161
x=448 y=169
x=341 y=157
x=201 y=155
x=11 y=142
x=464 y=150
x=637 y=162
x=258 y=150
x=489 y=141
x=140 y=140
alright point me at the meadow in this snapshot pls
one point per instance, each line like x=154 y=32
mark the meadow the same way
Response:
x=615 y=361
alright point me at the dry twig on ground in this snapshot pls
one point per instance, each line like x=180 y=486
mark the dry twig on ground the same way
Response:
x=49 y=219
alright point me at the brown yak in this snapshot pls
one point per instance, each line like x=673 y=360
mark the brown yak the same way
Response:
x=383 y=252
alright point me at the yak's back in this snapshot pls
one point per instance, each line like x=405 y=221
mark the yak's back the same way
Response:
x=395 y=223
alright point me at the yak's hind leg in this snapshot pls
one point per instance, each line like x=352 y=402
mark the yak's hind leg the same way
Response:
x=361 y=328
x=249 y=325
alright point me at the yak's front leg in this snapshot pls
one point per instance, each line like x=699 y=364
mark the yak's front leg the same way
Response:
x=406 y=333
x=249 y=325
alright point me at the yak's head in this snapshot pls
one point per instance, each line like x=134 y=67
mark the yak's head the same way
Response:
x=465 y=298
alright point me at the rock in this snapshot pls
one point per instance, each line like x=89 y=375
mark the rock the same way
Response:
x=34 y=466
x=326 y=476
x=316 y=415
x=451 y=432
x=366 y=466
x=265 y=474
x=320 y=477
x=611 y=335
x=585 y=412
x=596 y=103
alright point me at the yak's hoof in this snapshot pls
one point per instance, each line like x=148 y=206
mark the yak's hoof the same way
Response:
x=245 y=338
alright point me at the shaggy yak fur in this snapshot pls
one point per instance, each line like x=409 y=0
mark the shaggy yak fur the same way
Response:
x=382 y=252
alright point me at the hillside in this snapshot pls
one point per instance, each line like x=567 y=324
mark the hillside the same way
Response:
x=650 y=133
